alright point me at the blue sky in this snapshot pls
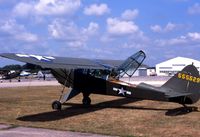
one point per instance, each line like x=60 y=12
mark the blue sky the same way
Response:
x=112 y=29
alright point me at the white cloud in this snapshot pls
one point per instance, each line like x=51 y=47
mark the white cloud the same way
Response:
x=97 y=10
x=195 y=36
x=46 y=7
x=169 y=27
x=130 y=14
x=10 y=26
x=61 y=30
x=23 y=9
x=57 y=7
x=134 y=45
x=92 y=28
x=27 y=37
x=156 y=28
x=11 y=29
x=76 y=44
x=121 y=27
x=188 y=39
x=70 y=33
x=195 y=9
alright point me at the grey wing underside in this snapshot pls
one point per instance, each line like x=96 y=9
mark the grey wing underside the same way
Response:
x=62 y=62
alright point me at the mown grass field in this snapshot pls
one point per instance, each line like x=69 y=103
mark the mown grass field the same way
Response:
x=31 y=106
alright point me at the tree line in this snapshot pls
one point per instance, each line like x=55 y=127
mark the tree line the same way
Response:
x=20 y=67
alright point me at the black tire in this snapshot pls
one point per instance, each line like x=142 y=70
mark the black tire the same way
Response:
x=56 y=105
x=86 y=101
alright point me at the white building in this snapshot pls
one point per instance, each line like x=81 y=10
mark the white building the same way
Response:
x=172 y=66
x=151 y=71
x=141 y=71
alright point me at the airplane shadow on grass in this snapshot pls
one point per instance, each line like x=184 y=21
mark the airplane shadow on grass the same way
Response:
x=78 y=109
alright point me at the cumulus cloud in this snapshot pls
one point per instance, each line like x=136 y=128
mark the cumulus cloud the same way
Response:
x=169 y=27
x=119 y=31
x=97 y=10
x=156 y=28
x=46 y=7
x=190 y=38
x=23 y=9
x=91 y=29
x=130 y=14
x=121 y=27
x=69 y=32
x=195 y=36
x=61 y=30
x=195 y=9
x=27 y=37
x=10 y=29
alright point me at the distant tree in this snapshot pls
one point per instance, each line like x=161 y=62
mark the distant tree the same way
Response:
x=31 y=66
x=12 y=67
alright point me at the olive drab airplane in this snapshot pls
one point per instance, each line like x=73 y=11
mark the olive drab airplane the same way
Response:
x=89 y=76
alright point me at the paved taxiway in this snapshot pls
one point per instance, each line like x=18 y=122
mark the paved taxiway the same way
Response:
x=12 y=131
x=8 y=84
x=157 y=81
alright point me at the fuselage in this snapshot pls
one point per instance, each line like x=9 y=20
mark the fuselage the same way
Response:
x=97 y=82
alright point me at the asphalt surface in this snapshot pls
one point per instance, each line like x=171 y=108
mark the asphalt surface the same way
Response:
x=13 y=131
x=156 y=81
x=7 y=84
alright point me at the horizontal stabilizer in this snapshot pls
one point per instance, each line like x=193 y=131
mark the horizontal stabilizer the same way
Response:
x=176 y=94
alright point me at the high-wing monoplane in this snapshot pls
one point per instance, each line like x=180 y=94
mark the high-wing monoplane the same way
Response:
x=9 y=74
x=89 y=76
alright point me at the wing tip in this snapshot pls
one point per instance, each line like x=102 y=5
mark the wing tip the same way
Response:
x=5 y=54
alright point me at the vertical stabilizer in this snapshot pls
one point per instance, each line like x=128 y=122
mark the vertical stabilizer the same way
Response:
x=185 y=82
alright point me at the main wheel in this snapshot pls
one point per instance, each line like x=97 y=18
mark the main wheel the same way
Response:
x=86 y=101
x=56 y=105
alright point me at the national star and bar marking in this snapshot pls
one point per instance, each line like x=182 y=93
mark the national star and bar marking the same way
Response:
x=122 y=91
x=40 y=58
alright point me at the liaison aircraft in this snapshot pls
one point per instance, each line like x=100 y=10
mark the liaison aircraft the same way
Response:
x=94 y=76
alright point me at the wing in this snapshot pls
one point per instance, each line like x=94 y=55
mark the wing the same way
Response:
x=59 y=62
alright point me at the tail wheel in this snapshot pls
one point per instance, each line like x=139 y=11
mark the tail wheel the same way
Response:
x=86 y=101
x=56 y=105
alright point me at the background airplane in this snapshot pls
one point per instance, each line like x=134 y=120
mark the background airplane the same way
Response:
x=88 y=76
x=9 y=74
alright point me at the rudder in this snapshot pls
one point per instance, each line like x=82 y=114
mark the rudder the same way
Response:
x=185 y=81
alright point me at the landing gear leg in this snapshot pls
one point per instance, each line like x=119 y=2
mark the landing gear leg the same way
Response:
x=57 y=105
x=86 y=100
x=189 y=109
x=186 y=109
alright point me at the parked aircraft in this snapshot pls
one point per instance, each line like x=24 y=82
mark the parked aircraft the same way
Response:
x=24 y=73
x=9 y=74
x=88 y=76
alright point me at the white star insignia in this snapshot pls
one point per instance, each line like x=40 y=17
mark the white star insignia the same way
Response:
x=122 y=91
x=40 y=58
